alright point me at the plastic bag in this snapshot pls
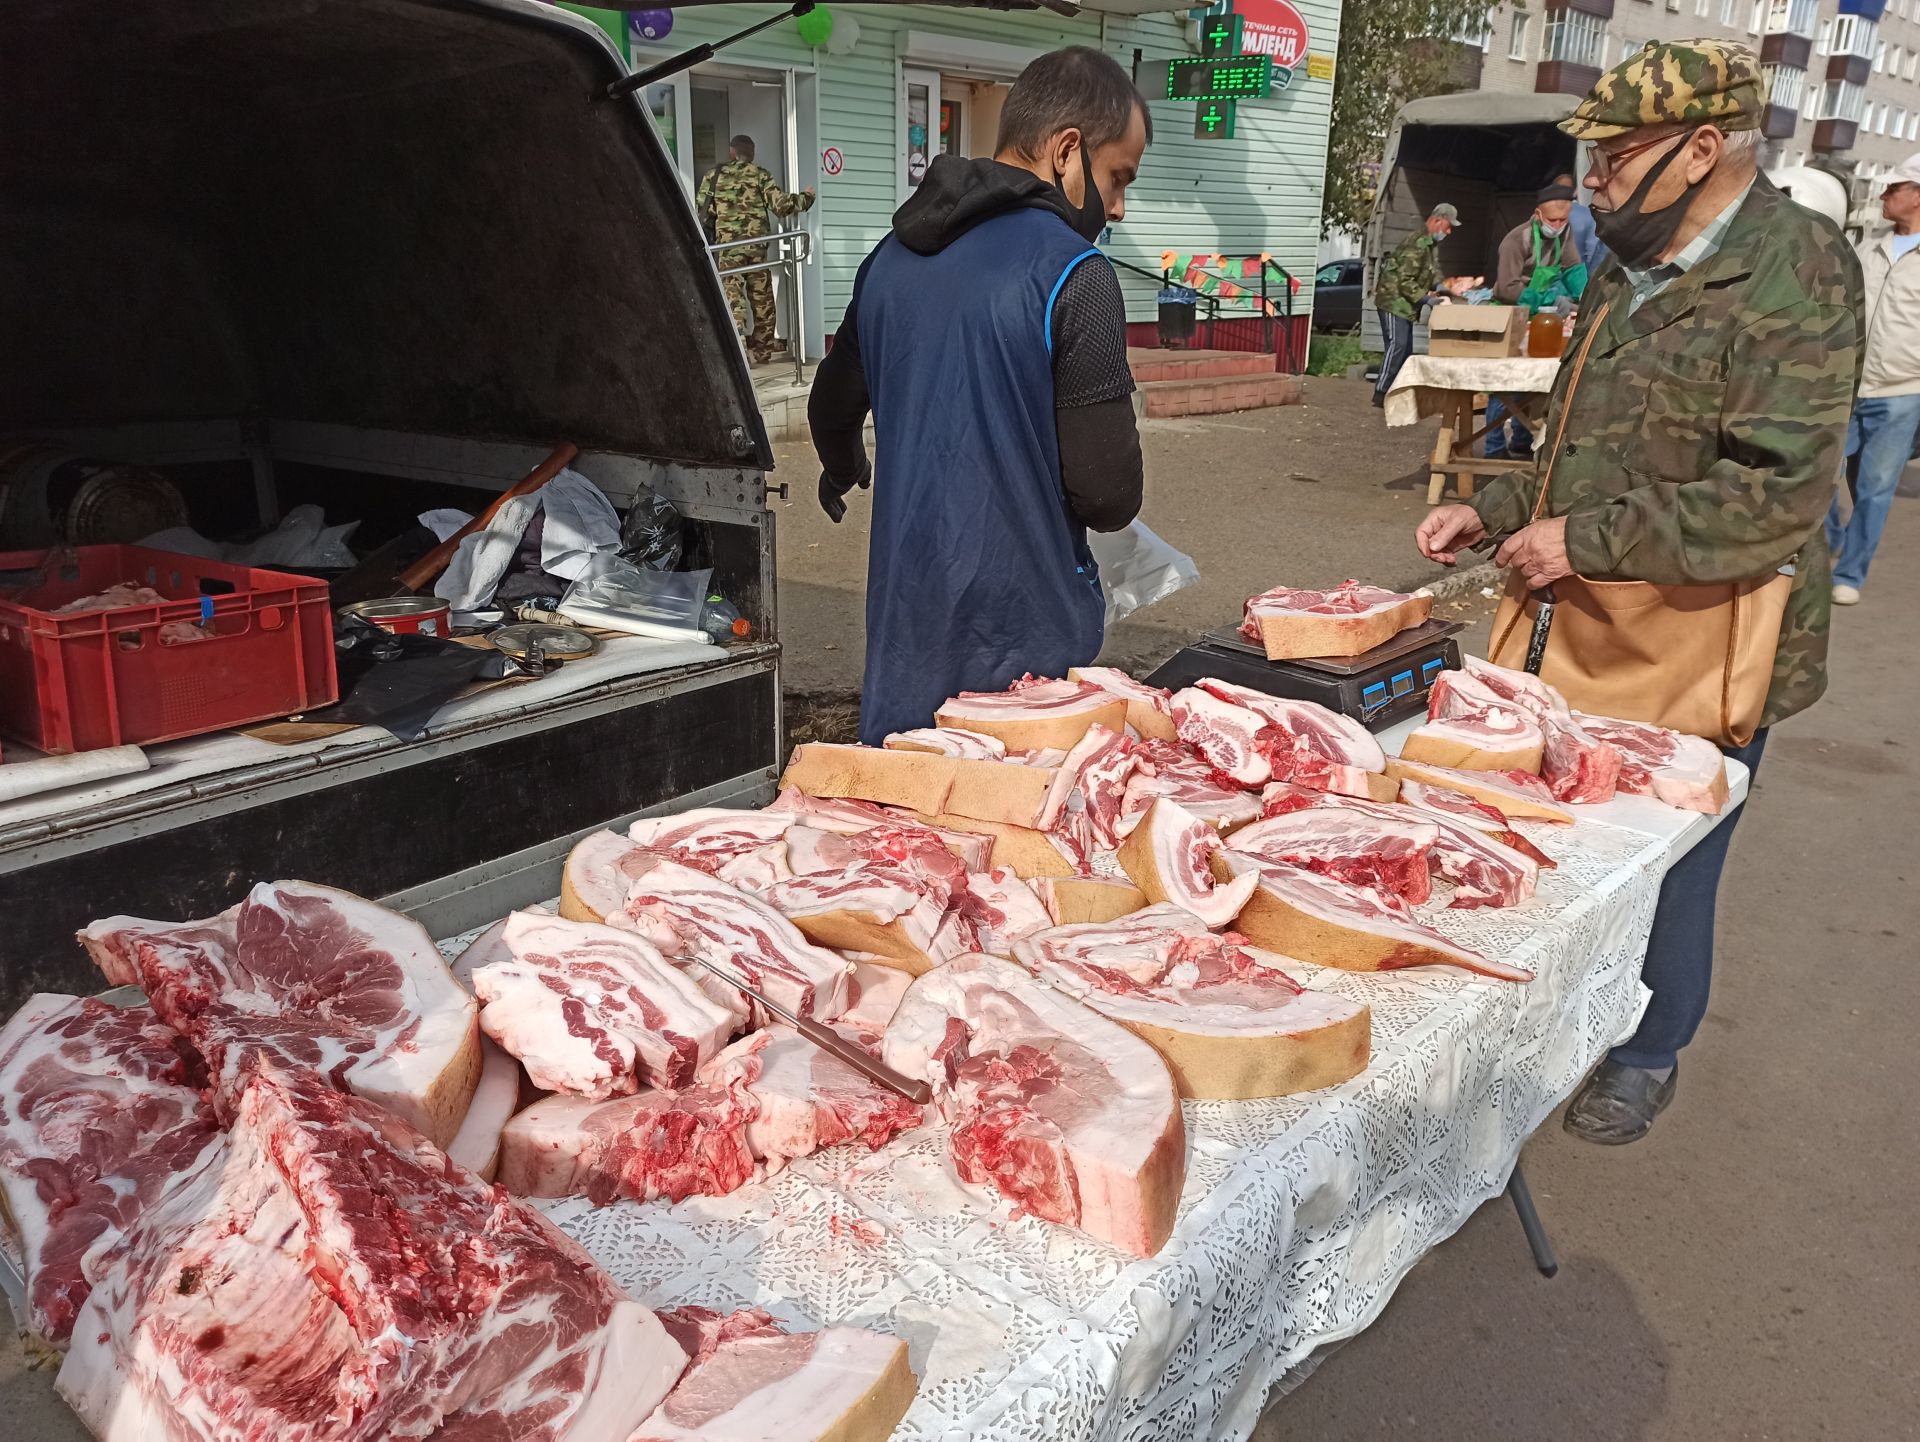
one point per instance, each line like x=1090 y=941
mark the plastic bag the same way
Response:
x=621 y=596
x=1137 y=568
x=303 y=538
x=652 y=535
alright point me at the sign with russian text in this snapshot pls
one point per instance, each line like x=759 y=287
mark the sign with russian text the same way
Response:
x=1275 y=28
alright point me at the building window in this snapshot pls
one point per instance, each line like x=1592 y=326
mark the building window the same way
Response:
x=1726 y=12
x=1850 y=35
x=1700 y=7
x=1841 y=100
x=1880 y=57
x=1791 y=17
x=1476 y=34
x=1899 y=126
x=1629 y=48
x=1913 y=65
x=1913 y=126
x=1517 y=37
x=1785 y=84
x=1893 y=61
x=1576 y=38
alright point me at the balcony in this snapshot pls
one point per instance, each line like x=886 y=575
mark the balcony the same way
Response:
x=1832 y=135
x=1854 y=69
x=1778 y=122
x=1793 y=51
x=1563 y=77
x=1601 y=8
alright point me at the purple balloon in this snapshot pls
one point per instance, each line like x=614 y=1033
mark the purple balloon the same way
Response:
x=650 y=24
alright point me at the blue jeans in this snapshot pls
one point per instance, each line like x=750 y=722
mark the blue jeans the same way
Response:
x=1396 y=334
x=1880 y=433
x=1501 y=422
x=1679 y=966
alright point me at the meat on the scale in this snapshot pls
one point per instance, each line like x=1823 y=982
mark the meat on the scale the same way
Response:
x=1168 y=856
x=99 y=1114
x=1311 y=918
x=1228 y=1022
x=1349 y=845
x=1069 y=1116
x=805 y=1099
x=656 y=1144
x=685 y=912
x=329 y=1274
x=316 y=978
x=1149 y=708
x=595 y=1012
x=1499 y=738
x=1035 y=714
x=1686 y=772
x=948 y=741
x=1344 y=620
x=750 y=1381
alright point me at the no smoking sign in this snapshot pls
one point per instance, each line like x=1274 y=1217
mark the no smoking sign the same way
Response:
x=832 y=162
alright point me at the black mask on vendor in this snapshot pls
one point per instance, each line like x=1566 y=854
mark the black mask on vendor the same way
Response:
x=1090 y=216
x=1639 y=236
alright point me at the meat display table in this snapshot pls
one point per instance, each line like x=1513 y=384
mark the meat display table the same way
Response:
x=1450 y=387
x=1299 y=1218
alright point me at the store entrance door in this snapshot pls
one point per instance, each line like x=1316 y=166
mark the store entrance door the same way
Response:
x=946 y=115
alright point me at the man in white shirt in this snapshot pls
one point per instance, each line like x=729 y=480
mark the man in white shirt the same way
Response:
x=1886 y=415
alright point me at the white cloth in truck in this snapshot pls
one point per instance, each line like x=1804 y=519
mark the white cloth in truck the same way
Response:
x=581 y=522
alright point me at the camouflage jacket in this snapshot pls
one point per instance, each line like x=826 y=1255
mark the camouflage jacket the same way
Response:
x=738 y=195
x=1408 y=275
x=1710 y=425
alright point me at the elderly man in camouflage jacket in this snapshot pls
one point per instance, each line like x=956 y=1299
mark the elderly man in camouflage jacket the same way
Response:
x=1702 y=447
x=1408 y=278
x=733 y=202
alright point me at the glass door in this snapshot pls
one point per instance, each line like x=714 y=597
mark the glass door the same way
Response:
x=919 y=126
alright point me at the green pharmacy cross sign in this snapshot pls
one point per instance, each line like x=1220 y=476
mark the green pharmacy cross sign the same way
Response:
x=1220 y=77
x=1215 y=121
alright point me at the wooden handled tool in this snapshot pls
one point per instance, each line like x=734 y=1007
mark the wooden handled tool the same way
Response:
x=830 y=1041
x=435 y=561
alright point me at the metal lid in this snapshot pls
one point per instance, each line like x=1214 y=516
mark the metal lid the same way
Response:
x=391 y=608
x=556 y=643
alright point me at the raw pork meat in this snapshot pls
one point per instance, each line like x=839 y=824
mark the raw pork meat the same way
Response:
x=947 y=741
x=873 y=995
x=1499 y=738
x=1226 y=1020
x=128 y=593
x=1686 y=772
x=869 y=908
x=1516 y=793
x=1361 y=848
x=707 y=837
x=594 y=882
x=1180 y=774
x=1068 y=1116
x=1035 y=714
x=595 y=1012
x=1451 y=805
x=1302 y=915
x=328 y=1274
x=1342 y=620
x=912 y=854
x=98 y=1116
x=1076 y=900
x=1228 y=737
x=1167 y=856
x=1089 y=792
x=657 y=1144
x=1002 y=908
x=1576 y=766
x=805 y=1099
x=751 y=1382
x=975 y=851
x=684 y=912
x=1306 y=743
x=1149 y=708
x=319 y=978
x=477 y=1144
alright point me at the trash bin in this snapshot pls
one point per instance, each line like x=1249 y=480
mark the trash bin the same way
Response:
x=1179 y=306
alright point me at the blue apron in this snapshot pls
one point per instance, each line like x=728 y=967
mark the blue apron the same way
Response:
x=977 y=570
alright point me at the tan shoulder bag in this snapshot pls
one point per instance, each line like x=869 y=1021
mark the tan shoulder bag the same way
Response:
x=1697 y=659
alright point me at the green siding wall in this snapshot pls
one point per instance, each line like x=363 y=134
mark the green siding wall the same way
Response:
x=1257 y=192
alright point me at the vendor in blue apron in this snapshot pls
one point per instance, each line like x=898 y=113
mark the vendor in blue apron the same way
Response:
x=1539 y=268
x=987 y=336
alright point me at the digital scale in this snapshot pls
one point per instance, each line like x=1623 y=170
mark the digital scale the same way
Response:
x=1375 y=688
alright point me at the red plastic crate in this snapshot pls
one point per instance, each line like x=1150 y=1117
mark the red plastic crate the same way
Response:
x=106 y=678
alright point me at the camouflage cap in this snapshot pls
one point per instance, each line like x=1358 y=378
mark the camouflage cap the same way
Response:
x=1446 y=210
x=1688 y=82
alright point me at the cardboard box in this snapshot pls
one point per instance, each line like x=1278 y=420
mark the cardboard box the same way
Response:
x=1476 y=330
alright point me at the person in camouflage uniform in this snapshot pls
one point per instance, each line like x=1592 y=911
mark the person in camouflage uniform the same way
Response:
x=733 y=201
x=1407 y=277
x=1702 y=446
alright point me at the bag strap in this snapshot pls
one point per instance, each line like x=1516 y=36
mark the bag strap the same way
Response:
x=1566 y=409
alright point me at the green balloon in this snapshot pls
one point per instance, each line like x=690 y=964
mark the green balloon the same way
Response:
x=816 y=26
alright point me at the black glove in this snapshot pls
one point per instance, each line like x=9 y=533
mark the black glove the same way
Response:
x=833 y=493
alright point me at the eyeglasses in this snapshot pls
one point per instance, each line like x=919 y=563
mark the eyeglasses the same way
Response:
x=1605 y=166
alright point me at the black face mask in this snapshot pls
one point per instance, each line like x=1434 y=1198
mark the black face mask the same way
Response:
x=1090 y=217
x=1638 y=236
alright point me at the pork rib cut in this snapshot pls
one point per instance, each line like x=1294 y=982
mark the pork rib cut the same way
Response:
x=1227 y=1020
x=1360 y=848
x=1306 y=743
x=1499 y=738
x=1085 y=805
x=1180 y=773
x=805 y=1099
x=98 y=1116
x=1447 y=804
x=316 y=978
x=656 y=1144
x=1344 y=620
x=1168 y=857
x=1686 y=772
x=329 y=1274
x=1149 y=708
x=1035 y=715
x=595 y=1012
x=1515 y=793
x=749 y=1381
x=1069 y=1116
x=1313 y=919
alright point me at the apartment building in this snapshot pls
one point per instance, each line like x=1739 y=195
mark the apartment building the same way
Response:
x=1843 y=76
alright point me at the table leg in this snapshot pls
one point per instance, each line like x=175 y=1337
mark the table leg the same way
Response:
x=1522 y=1198
x=1442 y=455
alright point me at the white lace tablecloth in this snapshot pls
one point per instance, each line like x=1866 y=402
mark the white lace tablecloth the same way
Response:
x=1417 y=389
x=1299 y=1218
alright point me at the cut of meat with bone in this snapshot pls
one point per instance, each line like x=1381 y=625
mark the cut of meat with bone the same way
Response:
x=594 y=882
x=751 y=1382
x=1308 y=734
x=948 y=741
x=1069 y=1116
x=1519 y=687
x=1500 y=738
x=1576 y=766
x=708 y=837
x=1226 y=736
x=868 y=908
x=1513 y=792
x=318 y=978
x=328 y=1274
x=99 y=1113
x=671 y=1145
x=1227 y=1021
x=1172 y=770
x=1076 y=900
x=1302 y=915
x=595 y=1012
x=1002 y=909
x=805 y=1099
x=1450 y=805
x=1361 y=848
x=1035 y=715
x=1250 y=738
x=1027 y=852
x=1686 y=772
x=975 y=852
x=1149 y=708
x=687 y=913
x=1340 y=620
x=477 y=1144
x=1167 y=857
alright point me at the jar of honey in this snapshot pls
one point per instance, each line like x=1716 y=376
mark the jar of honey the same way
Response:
x=1546 y=334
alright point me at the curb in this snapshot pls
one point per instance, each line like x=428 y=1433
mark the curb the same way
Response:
x=1455 y=584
